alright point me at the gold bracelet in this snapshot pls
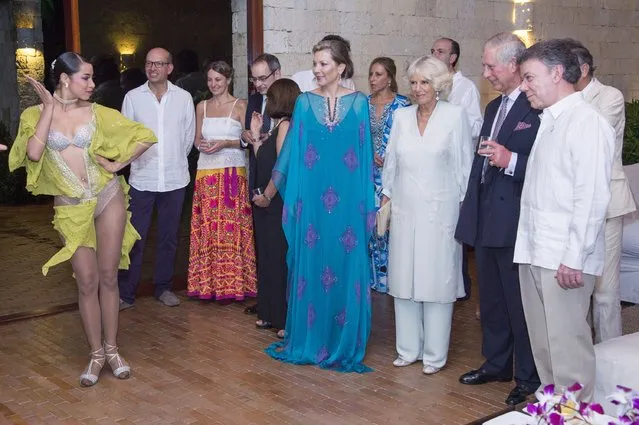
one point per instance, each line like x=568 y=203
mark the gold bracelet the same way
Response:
x=35 y=136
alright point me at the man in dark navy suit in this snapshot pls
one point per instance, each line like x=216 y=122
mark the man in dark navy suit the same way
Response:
x=488 y=221
x=264 y=71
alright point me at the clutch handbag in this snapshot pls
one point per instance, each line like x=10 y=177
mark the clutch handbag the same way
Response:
x=383 y=219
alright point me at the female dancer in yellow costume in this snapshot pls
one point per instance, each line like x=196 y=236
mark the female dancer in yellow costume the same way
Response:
x=71 y=149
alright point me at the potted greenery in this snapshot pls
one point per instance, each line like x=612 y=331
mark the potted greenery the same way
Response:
x=630 y=154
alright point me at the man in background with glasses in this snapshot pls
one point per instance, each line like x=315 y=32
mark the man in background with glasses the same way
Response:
x=159 y=176
x=265 y=70
x=465 y=94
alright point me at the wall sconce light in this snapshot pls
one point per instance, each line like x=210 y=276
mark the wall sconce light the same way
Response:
x=523 y=15
x=26 y=42
x=127 y=60
x=523 y=21
x=25 y=38
x=126 y=48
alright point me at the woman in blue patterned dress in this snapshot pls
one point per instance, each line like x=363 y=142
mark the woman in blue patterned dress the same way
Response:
x=324 y=174
x=382 y=102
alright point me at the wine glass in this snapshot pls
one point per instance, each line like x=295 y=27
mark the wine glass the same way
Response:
x=482 y=145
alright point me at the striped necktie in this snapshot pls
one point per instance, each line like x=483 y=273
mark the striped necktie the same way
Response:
x=501 y=117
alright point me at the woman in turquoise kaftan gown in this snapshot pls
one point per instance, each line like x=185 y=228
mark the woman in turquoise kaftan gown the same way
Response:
x=324 y=174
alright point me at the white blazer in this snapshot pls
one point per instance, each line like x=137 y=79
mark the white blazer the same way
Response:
x=610 y=103
x=426 y=178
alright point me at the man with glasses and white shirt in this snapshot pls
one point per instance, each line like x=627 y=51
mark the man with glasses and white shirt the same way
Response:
x=159 y=176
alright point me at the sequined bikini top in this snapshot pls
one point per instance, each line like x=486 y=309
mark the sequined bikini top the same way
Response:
x=82 y=138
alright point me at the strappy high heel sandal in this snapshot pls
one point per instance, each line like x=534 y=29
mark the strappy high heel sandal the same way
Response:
x=120 y=368
x=91 y=374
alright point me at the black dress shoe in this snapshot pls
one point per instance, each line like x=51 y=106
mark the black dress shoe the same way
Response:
x=263 y=324
x=518 y=395
x=479 y=376
x=252 y=309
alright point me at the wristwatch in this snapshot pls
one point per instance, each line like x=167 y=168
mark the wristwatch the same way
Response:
x=267 y=197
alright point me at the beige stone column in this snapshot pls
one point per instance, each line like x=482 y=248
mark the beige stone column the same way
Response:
x=29 y=58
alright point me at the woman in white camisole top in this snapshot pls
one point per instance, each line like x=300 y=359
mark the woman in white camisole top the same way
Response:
x=222 y=253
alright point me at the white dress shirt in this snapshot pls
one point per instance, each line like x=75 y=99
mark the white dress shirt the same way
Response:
x=164 y=166
x=567 y=189
x=307 y=82
x=465 y=94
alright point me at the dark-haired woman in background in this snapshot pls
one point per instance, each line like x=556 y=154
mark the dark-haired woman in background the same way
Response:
x=222 y=257
x=72 y=149
x=267 y=207
x=324 y=174
x=382 y=103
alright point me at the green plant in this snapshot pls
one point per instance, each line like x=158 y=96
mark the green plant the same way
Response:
x=630 y=154
x=47 y=8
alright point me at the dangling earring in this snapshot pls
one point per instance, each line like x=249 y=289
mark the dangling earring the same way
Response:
x=436 y=95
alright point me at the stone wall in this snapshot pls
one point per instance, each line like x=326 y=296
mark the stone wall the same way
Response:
x=610 y=30
x=114 y=26
x=20 y=56
x=240 y=64
x=29 y=62
x=9 y=98
x=405 y=29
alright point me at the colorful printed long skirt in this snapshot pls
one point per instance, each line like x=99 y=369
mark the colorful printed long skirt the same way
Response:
x=378 y=245
x=222 y=252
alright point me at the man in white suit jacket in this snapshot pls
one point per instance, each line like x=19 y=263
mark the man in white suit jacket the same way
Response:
x=610 y=103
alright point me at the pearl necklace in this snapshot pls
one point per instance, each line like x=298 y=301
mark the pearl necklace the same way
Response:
x=64 y=102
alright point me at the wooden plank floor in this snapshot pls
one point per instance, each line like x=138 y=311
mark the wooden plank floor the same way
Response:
x=202 y=363
x=29 y=240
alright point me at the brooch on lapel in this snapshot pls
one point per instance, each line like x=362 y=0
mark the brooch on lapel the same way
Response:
x=522 y=126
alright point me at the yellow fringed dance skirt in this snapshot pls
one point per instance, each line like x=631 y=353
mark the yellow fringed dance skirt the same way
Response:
x=74 y=219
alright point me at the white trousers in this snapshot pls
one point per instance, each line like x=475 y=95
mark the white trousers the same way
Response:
x=606 y=300
x=423 y=331
x=560 y=337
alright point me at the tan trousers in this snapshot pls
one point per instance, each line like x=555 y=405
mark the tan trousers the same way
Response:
x=560 y=337
x=606 y=301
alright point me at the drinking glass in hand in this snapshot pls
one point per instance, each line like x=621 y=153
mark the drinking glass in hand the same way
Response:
x=482 y=145
x=206 y=144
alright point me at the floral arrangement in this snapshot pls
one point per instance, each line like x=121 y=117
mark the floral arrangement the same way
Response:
x=564 y=409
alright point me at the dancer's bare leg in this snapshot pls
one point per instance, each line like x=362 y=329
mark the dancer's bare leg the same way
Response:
x=110 y=232
x=85 y=268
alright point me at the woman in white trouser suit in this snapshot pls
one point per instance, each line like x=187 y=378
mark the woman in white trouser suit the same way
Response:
x=426 y=169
